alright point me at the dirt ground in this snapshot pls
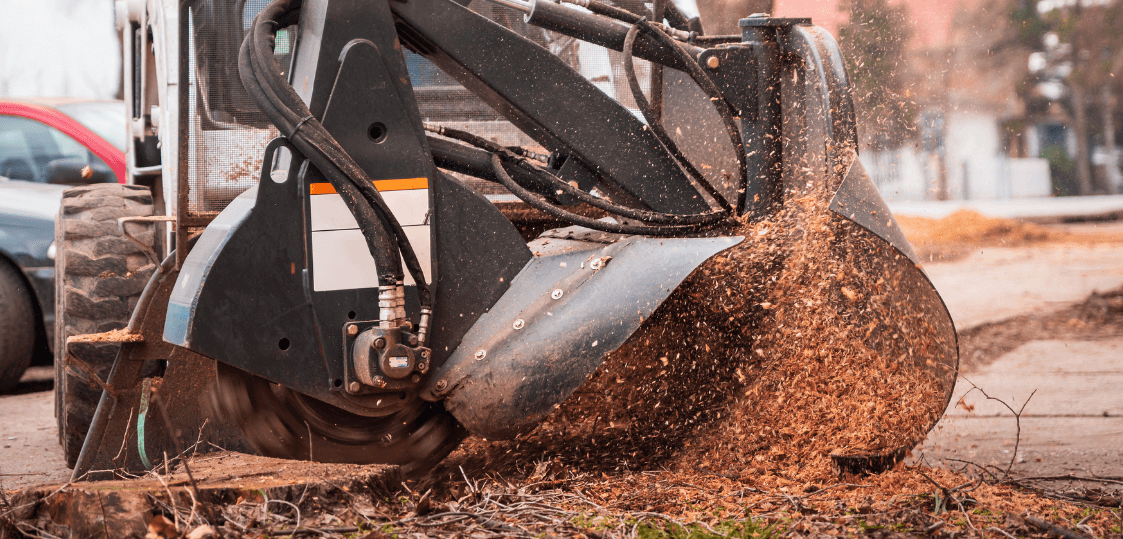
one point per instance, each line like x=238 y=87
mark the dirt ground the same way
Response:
x=1038 y=307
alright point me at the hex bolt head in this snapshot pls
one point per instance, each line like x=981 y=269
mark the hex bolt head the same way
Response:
x=413 y=340
x=441 y=385
x=519 y=324
x=352 y=330
x=380 y=343
x=424 y=354
x=354 y=387
x=596 y=264
x=712 y=62
x=422 y=366
x=557 y=293
x=480 y=354
x=379 y=381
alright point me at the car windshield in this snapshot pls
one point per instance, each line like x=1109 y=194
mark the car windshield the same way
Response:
x=106 y=118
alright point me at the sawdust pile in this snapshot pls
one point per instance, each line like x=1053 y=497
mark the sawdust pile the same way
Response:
x=969 y=226
x=957 y=234
x=810 y=337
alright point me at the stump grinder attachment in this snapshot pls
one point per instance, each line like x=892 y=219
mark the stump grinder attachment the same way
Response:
x=468 y=208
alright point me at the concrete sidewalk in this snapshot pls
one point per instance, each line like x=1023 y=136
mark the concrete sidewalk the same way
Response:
x=1073 y=424
x=996 y=283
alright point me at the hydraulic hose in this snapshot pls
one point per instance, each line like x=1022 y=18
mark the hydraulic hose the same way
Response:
x=560 y=187
x=654 y=123
x=580 y=220
x=278 y=100
x=728 y=118
x=696 y=73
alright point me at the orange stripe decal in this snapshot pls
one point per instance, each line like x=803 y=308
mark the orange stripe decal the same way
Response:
x=403 y=184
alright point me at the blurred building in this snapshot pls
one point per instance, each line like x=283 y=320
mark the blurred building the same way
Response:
x=975 y=138
x=59 y=48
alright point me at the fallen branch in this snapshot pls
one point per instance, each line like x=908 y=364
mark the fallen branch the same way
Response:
x=1053 y=529
x=1017 y=420
x=1109 y=480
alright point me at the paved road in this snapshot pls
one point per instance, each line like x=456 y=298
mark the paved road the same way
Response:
x=29 y=450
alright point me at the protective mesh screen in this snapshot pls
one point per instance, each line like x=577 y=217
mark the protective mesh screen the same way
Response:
x=228 y=134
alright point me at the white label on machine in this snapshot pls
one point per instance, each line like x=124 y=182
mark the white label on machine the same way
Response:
x=340 y=257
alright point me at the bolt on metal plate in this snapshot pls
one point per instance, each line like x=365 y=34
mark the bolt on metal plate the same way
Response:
x=557 y=293
x=519 y=324
x=480 y=354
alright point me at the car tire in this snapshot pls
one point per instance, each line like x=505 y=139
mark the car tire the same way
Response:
x=17 y=326
x=99 y=276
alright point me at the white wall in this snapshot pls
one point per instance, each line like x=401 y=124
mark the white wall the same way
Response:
x=977 y=169
x=58 y=48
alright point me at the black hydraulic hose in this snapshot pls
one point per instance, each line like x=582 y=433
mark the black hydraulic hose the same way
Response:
x=555 y=183
x=475 y=162
x=728 y=117
x=277 y=99
x=580 y=220
x=656 y=126
x=699 y=219
x=675 y=17
x=378 y=240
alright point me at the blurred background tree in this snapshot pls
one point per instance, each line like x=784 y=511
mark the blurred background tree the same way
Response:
x=875 y=42
x=1077 y=64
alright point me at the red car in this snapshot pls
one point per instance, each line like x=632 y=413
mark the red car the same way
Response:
x=45 y=147
x=62 y=141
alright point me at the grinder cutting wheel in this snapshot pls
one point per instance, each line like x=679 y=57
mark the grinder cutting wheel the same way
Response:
x=468 y=211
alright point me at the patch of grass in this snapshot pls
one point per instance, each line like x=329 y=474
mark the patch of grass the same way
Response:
x=748 y=529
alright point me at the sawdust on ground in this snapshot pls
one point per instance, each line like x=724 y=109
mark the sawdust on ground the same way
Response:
x=964 y=230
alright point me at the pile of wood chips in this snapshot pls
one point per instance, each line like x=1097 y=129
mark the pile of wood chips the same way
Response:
x=959 y=233
x=811 y=337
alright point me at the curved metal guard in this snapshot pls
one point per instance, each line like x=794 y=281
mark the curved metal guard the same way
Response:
x=568 y=308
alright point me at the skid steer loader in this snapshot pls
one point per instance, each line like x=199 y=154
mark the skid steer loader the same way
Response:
x=361 y=230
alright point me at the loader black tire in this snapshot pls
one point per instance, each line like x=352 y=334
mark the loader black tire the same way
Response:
x=17 y=326
x=99 y=276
